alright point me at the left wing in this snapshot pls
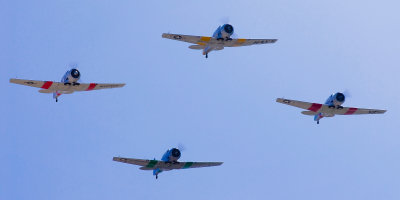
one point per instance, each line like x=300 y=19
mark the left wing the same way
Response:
x=202 y=40
x=247 y=42
x=154 y=164
x=322 y=108
x=59 y=86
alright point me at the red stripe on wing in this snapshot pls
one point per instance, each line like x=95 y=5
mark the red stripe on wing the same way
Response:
x=315 y=107
x=47 y=84
x=91 y=86
x=351 y=111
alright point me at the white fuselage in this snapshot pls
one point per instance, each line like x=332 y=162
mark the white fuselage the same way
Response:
x=71 y=76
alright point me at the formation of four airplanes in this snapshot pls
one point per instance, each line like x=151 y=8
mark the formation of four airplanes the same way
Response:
x=219 y=40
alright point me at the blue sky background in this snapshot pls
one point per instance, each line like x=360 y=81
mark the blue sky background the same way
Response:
x=222 y=108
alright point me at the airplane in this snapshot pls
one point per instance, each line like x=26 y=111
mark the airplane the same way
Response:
x=331 y=107
x=69 y=84
x=219 y=40
x=169 y=161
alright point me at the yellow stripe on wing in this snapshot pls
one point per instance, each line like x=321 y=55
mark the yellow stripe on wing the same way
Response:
x=205 y=39
x=239 y=42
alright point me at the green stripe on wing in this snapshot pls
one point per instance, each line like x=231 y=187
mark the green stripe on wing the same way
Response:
x=187 y=165
x=152 y=163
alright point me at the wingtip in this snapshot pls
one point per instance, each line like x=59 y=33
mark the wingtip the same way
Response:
x=12 y=79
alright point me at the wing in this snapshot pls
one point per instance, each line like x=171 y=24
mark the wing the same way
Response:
x=353 y=111
x=321 y=108
x=202 y=40
x=247 y=42
x=154 y=164
x=51 y=86
x=141 y=162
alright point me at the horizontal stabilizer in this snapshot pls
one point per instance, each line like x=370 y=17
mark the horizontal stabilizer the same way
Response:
x=308 y=113
x=46 y=91
x=145 y=168
x=197 y=47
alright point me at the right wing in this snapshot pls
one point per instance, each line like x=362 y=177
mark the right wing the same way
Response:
x=51 y=86
x=322 y=108
x=154 y=164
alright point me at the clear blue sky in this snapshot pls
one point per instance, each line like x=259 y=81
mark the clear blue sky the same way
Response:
x=221 y=109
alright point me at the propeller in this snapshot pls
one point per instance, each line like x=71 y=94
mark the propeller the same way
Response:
x=224 y=20
x=73 y=65
x=347 y=93
x=181 y=147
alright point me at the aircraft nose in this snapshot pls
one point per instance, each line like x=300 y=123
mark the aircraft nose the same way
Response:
x=340 y=97
x=176 y=153
x=75 y=73
x=228 y=28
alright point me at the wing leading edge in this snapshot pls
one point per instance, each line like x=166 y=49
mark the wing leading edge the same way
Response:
x=154 y=164
x=322 y=108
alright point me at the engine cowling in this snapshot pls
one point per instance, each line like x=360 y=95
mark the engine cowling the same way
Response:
x=227 y=31
x=75 y=73
x=72 y=76
x=175 y=154
x=338 y=99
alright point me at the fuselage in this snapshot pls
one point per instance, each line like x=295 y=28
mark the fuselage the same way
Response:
x=333 y=101
x=223 y=32
x=171 y=155
x=72 y=76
